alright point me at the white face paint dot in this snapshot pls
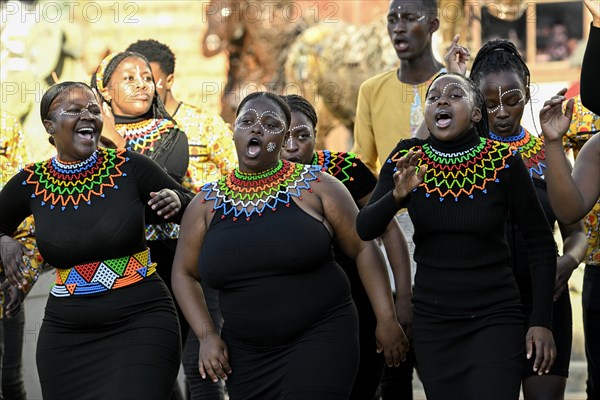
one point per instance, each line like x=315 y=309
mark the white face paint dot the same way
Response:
x=271 y=147
x=243 y=122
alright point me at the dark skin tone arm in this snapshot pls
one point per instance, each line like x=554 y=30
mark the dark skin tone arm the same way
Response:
x=574 y=250
x=572 y=194
x=397 y=253
x=214 y=355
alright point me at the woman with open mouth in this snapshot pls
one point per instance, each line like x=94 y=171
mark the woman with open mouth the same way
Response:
x=262 y=236
x=459 y=187
x=110 y=329
x=503 y=78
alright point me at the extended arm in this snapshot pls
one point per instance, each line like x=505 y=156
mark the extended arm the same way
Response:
x=572 y=194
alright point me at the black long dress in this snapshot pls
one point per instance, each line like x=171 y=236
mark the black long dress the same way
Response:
x=289 y=321
x=469 y=340
x=532 y=150
x=360 y=181
x=117 y=344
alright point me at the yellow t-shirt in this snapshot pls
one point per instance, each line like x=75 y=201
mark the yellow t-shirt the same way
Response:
x=212 y=151
x=387 y=111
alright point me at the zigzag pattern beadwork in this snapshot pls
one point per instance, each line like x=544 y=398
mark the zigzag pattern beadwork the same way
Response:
x=531 y=148
x=143 y=137
x=250 y=194
x=59 y=183
x=101 y=276
x=460 y=173
x=335 y=163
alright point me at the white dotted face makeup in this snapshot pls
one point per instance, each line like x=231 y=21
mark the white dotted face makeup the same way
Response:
x=300 y=133
x=501 y=94
x=271 y=146
x=92 y=108
x=269 y=121
x=453 y=92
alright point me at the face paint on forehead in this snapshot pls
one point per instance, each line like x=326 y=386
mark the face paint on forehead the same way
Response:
x=399 y=14
x=295 y=128
x=239 y=124
x=502 y=94
x=446 y=88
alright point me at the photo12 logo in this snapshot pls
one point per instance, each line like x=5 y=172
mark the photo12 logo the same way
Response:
x=71 y=11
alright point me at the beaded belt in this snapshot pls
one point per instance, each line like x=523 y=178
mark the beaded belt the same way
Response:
x=101 y=276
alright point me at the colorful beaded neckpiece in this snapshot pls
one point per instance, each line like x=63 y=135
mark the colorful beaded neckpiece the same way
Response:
x=462 y=173
x=144 y=136
x=335 y=163
x=531 y=148
x=60 y=183
x=244 y=194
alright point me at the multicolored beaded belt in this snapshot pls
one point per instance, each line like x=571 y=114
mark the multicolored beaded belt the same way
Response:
x=101 y=276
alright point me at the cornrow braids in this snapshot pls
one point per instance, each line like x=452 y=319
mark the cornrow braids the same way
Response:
x=105 y=71
x=482 y=127
x=300 y=104
x=497 y=56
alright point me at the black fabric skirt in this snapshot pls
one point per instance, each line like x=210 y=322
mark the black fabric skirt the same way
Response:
x=319 y=365
x=468 y=333
x=121 y=345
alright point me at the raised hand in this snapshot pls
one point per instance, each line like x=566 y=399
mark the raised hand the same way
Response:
x=457 y=57
x=554 y=122
x=408 y=176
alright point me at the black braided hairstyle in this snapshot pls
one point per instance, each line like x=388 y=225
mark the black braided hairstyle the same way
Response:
x=300 y=104
x=482 y=126
x=497 y=56
x=158 y=108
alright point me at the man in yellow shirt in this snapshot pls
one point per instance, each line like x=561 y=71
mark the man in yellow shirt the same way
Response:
x=390 y=108
x=212 y=153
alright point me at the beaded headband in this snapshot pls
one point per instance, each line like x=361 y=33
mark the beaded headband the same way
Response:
x=102 y=69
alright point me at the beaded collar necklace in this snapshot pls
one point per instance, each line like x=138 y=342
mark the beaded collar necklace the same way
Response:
x=335 y=163
x=531 y=148
x=242 y=194
x=450 y=175
x=144 y=136
x=61 y=183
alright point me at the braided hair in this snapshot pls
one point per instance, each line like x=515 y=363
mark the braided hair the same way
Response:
x=106 y=69
x=300 y=104
x=497 y=56
x=482 y=126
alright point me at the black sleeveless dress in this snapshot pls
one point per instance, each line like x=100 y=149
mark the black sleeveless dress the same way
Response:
x=289 y=321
